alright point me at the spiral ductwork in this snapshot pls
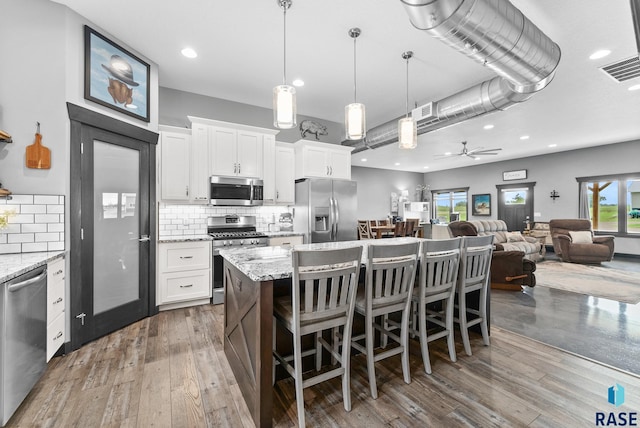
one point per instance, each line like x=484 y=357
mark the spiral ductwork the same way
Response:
x=495 y=34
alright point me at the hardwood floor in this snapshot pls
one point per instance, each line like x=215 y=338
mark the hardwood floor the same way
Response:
x=170 y=370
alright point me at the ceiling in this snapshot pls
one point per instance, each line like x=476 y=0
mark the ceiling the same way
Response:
x=240 y=58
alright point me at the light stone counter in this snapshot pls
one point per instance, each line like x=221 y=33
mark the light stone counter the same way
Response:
x=185 y=238
x=270 y=263
x=13 y=265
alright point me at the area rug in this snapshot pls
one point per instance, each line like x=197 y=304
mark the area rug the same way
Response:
x=598 y=281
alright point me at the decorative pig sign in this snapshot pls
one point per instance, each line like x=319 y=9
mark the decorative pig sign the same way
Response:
x=311 y=127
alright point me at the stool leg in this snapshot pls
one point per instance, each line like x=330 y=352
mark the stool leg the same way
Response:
x=404 y=338
x=462 y=315
x=297 y=356
x=424 y=345
x=483 y=313
x=369 y=332
x=448 y=311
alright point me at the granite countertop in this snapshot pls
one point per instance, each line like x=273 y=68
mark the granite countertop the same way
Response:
x=13 y=265
x=283 y=233
x=269 y=263
x=185 y=238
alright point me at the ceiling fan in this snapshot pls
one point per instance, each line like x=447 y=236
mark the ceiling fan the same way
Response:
x=473 y=153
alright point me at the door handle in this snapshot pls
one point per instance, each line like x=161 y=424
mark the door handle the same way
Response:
x=337 y=214
x=144 y=238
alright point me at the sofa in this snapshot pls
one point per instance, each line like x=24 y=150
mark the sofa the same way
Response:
x=510 y=270
x=509 y=241
x=574 y=242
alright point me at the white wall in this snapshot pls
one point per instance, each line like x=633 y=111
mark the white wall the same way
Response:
x=556 y=171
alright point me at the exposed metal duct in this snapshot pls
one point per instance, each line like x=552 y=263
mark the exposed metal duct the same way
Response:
x=635 y=14
x=492 y=32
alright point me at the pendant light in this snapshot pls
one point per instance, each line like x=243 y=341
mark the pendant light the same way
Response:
x=354 y=114
x=407 y=127
x=284 y=96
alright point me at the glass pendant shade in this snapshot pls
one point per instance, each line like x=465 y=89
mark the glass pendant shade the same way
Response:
x=407 y=133
x=284 y=107
x=354 y=119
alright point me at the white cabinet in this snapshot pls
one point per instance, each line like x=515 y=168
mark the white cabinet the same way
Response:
x=56 y=301
x=286 y=241
x=199 y=177
x=175 y=164
x=279 y=173
x=184 y=273
x=314 y=159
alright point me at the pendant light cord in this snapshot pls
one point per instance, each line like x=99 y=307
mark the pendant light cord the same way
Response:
x=284 y=72
x=355 y=92
x=407 y=105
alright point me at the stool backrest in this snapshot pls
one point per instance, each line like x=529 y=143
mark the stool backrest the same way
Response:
x=391 y=273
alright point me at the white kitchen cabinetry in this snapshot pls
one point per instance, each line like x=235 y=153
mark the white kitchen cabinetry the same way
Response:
x=287 y=241
x=199 y=163
x=279 y=173
x=175 y=164
x=184 y=274
x=235 y=150
x=56 y=333
x=314 y=159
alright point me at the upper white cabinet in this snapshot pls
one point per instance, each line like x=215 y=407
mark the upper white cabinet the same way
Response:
x=175 y=164
x=314 y=159
x=279 y=173
x=234 y=150
x=199 y=163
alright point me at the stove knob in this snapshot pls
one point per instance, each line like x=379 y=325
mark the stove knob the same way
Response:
x=225 y=243
x=242 y=242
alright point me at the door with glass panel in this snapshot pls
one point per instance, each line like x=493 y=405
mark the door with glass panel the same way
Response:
x=515 y=205
x=115 y=243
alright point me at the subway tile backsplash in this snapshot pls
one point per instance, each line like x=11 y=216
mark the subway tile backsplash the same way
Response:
x=192 y=219
x=35 y=223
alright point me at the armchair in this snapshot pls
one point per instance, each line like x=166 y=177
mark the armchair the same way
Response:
x=509 y=269
x=574 y=242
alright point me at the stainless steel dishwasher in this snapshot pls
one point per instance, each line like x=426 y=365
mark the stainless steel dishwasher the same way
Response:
x=23 y=337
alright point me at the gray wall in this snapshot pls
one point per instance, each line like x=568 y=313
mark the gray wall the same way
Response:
x=176 y=105
x=375 y=187
x=557 y=171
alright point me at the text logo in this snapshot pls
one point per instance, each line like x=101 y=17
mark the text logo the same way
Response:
x=616 y=395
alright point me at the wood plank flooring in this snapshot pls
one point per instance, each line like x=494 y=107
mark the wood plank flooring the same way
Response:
x=170 y=370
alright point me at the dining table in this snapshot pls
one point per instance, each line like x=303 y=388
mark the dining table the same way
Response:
x=381 y=230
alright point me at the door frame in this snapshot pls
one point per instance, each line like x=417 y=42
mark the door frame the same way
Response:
x=81 y=118
x=529 y=200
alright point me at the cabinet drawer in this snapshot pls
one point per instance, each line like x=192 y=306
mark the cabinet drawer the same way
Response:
x=176 y=287
x=56 y=271
x=55 y=300
x=55 y=335
x=286 y=240
x=181 y=256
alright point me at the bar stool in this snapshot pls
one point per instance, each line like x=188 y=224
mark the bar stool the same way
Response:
x=439 y=262
x=322 y=298
x=388 y=288
x=475 y=264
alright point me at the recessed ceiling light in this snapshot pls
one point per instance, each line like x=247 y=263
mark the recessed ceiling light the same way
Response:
x=477 y=159
x=189 y=52
x=600 y=54
x=634 y=87
x=524 y=137
x=397 y=163
x=363 y=159
x=298 y=82
x=447 y=154
x=426 y=167
x=553 y=145
x=488 y=126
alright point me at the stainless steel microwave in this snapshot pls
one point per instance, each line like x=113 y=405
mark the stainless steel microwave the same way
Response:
x=234 y=191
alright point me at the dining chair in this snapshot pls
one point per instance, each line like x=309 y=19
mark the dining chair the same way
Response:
x=400 y=229
x=364 y=230
x=439 y=262
x=322 y=298
x=390 y=274
x=474 y=275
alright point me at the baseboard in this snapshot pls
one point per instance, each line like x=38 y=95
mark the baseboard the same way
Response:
x=633 y=257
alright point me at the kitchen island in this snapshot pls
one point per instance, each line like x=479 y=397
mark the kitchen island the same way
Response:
x=251 y=278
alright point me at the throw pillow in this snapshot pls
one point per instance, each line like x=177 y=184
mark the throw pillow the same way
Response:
x=581 y=237
x=515 y=237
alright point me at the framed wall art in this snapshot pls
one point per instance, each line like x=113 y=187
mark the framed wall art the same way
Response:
x=514 y=175
x=481 y=204
x=114 y=77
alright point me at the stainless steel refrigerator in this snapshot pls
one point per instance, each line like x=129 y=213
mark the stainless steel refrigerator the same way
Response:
x=325 y=210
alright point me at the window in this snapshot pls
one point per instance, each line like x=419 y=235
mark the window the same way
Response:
x=612 y=203
x=447 y=202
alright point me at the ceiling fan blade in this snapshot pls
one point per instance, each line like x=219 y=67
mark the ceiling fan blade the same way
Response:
x=471 y=156
x=484 y=153
x=477 y=149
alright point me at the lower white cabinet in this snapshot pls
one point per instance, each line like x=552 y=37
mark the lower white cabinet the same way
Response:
x=287 y=241
x=56 y=333
x=184 y=277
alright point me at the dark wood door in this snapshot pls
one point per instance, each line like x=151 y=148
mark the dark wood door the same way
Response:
x=515 y=204
x=111 y=256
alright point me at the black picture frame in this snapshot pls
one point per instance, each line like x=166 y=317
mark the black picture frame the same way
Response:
x=114 y=77
x=481 y=204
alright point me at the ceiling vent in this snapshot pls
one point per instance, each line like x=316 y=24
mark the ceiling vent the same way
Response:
x=423 y=112
x=623 y=70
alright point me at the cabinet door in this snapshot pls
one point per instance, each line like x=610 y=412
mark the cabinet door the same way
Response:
x=340 y=164
x=223 y=156
x=249 y=149
x=269 y=171
x=285 y=175
x=174 y=166
x=200 y=163
x=315 y=162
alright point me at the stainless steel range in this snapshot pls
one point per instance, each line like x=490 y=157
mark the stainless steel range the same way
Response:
x=231 y=231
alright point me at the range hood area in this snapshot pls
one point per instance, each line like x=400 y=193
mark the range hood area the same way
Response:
x=492 y=32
